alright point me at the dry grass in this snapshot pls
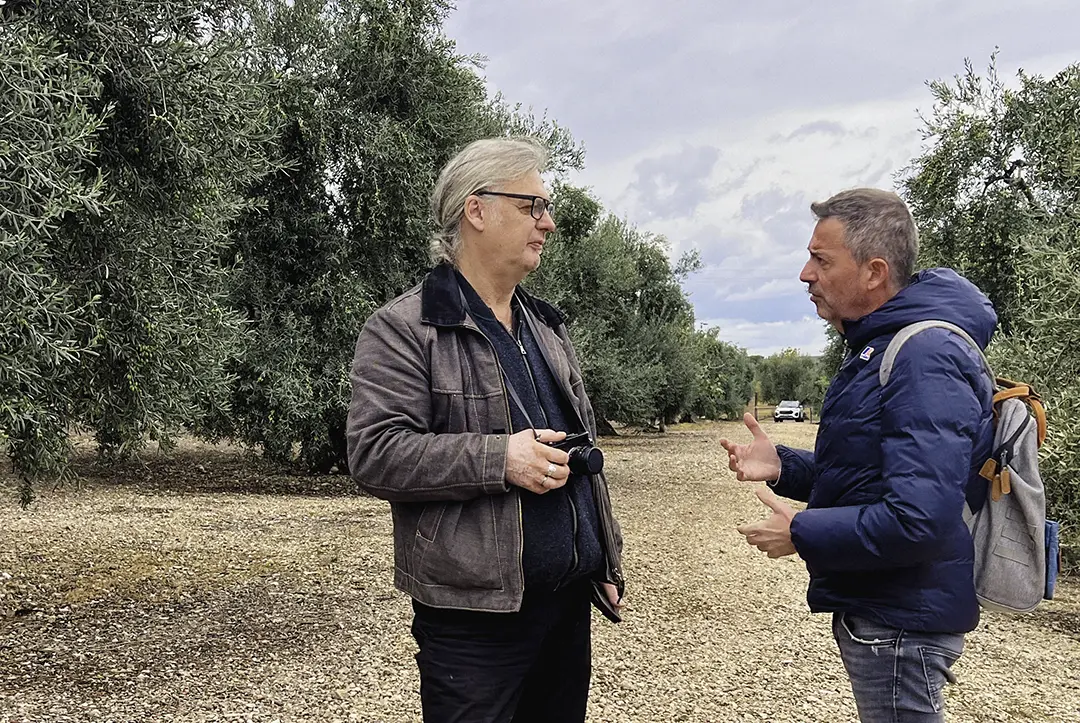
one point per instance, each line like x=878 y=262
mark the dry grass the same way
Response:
x=205 y=587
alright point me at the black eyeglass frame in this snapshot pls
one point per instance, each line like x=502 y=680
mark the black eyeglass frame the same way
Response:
x=544 y=205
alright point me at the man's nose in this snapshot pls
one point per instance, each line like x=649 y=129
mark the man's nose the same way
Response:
x=807 y=275
x=546 y=222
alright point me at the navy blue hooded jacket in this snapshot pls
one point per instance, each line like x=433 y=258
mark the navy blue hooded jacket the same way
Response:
x=883 y=534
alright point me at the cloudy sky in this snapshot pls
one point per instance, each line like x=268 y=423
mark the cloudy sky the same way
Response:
x=716 y=123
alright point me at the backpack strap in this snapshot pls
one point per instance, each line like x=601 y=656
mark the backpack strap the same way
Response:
x=992 y=470
x=889 y=359
x=1040 y=417
x=1018 y=392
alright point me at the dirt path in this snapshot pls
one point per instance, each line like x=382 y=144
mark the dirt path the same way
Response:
x=205 y=589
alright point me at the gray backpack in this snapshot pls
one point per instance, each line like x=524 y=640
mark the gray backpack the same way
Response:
x=1009 y=530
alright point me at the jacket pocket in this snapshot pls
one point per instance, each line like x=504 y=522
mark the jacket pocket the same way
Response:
x=491 y=414
x=448 y=412
x=936 y=662
x=868 y=632
x=463 y=550
x=457 y=412
x=427 y=527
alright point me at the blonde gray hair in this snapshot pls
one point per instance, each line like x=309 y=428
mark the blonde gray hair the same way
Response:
x=484 y=164
x=877 y=224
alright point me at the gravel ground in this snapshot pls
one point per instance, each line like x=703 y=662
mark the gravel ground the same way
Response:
x=202 y=586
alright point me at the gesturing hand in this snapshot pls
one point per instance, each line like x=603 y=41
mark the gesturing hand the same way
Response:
x=757 y=461
x=533 y=465
x=773 y=534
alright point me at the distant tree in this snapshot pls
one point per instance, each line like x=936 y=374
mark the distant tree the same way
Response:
x=627 y=311
x=790 y=375
x=726 y=378
x=834 y=352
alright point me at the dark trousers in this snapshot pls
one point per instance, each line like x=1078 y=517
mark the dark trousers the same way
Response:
x=532 y=665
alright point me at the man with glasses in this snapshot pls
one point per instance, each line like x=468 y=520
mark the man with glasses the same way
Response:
x=461 y=387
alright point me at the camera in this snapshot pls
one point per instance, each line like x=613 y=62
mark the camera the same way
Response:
x=585 y=459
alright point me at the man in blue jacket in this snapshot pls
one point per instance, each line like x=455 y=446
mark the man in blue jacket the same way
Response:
x=883 y=535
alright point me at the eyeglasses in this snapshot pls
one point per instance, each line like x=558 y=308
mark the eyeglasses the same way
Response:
x=539 y=203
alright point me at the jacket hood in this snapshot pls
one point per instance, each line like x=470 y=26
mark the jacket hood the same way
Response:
x=938 y=294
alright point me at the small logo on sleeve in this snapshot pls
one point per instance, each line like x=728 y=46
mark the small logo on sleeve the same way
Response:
x=867 y=353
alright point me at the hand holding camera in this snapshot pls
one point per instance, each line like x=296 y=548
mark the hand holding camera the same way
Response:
x=532 y=462
x=542 y=460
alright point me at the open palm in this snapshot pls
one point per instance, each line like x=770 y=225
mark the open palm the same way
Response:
x=756 y=461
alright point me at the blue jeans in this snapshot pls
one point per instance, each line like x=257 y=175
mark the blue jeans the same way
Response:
x=897 y=676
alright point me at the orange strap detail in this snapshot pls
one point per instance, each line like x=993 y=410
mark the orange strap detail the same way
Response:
x=1019 y=390
x=1040 y=417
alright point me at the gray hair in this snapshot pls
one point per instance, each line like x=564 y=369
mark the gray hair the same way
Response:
x=487 y=163
x=877 y=224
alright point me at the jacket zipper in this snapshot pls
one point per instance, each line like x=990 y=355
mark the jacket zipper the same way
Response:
x=600 y=496
x=532 y=379
x=575 y=560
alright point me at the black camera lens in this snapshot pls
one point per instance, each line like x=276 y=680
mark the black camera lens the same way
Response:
x=586 y=459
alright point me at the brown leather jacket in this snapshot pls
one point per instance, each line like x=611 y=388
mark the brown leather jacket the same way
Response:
x=428 y=431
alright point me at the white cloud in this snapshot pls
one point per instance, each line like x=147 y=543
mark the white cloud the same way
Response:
x=753 y=227
x=770 y=289
x=765 y=338
x=757 y=154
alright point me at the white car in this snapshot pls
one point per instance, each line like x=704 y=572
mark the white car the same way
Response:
x=790 y=409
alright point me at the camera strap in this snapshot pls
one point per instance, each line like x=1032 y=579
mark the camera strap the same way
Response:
x=517 y=400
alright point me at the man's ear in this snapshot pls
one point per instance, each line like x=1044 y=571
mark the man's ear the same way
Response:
x=474 y=214
x=878 y=274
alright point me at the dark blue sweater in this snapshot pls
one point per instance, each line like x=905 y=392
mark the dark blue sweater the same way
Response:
x=561 y=528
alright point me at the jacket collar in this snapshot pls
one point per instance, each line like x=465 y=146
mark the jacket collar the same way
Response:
x=441 y=303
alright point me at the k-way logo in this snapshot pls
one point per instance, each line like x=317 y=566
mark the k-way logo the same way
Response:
x=867 y=353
